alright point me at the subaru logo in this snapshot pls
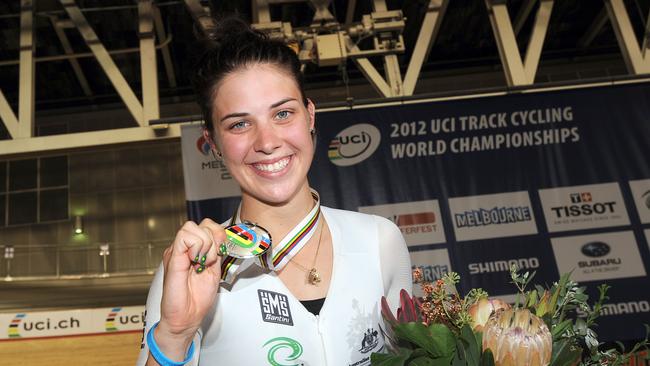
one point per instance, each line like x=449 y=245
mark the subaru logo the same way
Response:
x=595 y=249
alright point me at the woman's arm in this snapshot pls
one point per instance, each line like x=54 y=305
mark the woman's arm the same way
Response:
x=394 y=261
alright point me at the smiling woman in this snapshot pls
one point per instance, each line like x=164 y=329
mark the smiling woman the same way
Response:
x=313 y=297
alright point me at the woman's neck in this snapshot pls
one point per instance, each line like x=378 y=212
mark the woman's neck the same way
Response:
x=277 y=219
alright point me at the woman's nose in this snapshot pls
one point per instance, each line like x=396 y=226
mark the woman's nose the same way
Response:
x=268 y=139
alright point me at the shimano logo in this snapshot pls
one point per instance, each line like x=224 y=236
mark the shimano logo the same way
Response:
x=494 y=216
x=503 y=266
x=619 y=308
x=431 y=273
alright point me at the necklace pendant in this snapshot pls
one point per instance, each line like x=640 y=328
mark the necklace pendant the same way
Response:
x=313 y=277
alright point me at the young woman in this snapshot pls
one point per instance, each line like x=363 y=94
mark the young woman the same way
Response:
x=316 y=300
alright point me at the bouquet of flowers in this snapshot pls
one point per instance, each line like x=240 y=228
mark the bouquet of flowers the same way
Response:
x=443 y=328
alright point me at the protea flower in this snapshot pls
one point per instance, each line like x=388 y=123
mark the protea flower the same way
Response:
x=481 y=310
x=517 y=338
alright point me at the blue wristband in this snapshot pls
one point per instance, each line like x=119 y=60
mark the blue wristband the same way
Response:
x=160 y=357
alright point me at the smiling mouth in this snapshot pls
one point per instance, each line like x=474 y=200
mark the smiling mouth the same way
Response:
x=274 y=167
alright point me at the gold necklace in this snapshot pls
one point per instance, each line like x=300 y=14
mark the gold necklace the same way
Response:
x=313 y=276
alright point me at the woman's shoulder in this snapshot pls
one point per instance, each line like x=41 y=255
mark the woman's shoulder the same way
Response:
x=353 y=217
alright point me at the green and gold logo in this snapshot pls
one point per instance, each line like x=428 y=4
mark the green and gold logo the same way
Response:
x=283 y=351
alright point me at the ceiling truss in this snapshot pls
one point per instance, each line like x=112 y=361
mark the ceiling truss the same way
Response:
x=324 y=42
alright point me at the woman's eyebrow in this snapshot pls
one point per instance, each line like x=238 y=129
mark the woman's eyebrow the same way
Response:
x=277 y=104
x=231 y=115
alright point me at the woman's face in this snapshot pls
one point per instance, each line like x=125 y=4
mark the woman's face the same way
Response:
x=262 y=130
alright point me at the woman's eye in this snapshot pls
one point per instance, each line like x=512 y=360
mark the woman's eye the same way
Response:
x=283 y=114
x=238 y=125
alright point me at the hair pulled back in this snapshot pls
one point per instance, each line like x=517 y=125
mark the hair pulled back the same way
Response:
x=232 y=45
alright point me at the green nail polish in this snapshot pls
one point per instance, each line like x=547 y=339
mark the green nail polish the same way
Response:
x=200 y=269
x=203 y=259
x=196 y=259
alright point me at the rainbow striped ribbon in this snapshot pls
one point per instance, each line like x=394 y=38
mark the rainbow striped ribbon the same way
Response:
x=279 y=255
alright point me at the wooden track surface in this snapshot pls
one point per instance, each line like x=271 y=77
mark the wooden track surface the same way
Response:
x=119 y=349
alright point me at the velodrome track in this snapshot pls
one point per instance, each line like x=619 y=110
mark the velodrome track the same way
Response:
x=111 y=349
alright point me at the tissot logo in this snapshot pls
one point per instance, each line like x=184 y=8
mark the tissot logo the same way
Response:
x=583 y=207
x=354 y=144
x=503 y=265
x=595 y=249
x=275 y=307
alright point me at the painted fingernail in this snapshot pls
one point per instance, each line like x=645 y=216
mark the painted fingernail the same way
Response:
x=196 y=259
x=200 y=269
x=203 y=259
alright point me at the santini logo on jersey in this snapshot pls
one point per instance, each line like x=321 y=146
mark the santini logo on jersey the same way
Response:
x=493 y=216
x=275 y=307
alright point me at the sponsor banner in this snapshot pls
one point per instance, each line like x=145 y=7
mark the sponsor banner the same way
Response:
x=492 y=216
x=27 y=325
x=583 y=207
x=641 y=193
x=205 y=177
x=418 y=221
x=598 y=256
x=433 y=263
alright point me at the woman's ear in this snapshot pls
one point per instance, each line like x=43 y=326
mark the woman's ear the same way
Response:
x=208 y=138
x=311 y=110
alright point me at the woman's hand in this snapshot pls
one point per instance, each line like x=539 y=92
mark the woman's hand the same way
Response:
x=192 y=274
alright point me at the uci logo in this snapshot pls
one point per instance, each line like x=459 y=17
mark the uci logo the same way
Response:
x=595 y=249
x=354 y=144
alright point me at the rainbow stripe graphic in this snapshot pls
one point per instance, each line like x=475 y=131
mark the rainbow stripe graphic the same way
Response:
x=13 y=326
x=110 y=320
x=279 y=256
x=333 y=149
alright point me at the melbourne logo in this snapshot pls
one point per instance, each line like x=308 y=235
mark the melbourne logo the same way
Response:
x=14 y=325
x=274 y=307
x=283 y=351
x=354 y=144
x=369 y=341
x=493 y=216
x=203 y=145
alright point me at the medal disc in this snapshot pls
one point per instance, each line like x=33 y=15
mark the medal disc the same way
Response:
x=245 y=240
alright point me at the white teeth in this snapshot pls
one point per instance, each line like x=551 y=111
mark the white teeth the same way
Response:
x=272 y=168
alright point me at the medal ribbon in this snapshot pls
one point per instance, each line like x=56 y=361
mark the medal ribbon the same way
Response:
x=278 y=255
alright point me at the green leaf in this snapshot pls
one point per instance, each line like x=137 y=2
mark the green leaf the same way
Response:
x=444 y=341
x=422 y=361
x=487 y=359
x=419 y=335
x=564 y=353
x=381 y=359
x=472 y=351
x=562 y=327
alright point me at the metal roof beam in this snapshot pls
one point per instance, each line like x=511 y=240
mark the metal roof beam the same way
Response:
x=634 y=56
x=428 y=33
x=594 y=28
x=166 y=56
x=516 y=71
x=67 y=48
x=523 y=14
x=148 y=64
x=105 y=61
x=369 y=71
x=22 y=126
x=200 y=15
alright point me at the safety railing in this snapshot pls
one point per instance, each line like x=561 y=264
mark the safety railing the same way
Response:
x=24 y=262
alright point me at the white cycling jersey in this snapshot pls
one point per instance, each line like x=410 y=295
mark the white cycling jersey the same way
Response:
x=257 y=321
